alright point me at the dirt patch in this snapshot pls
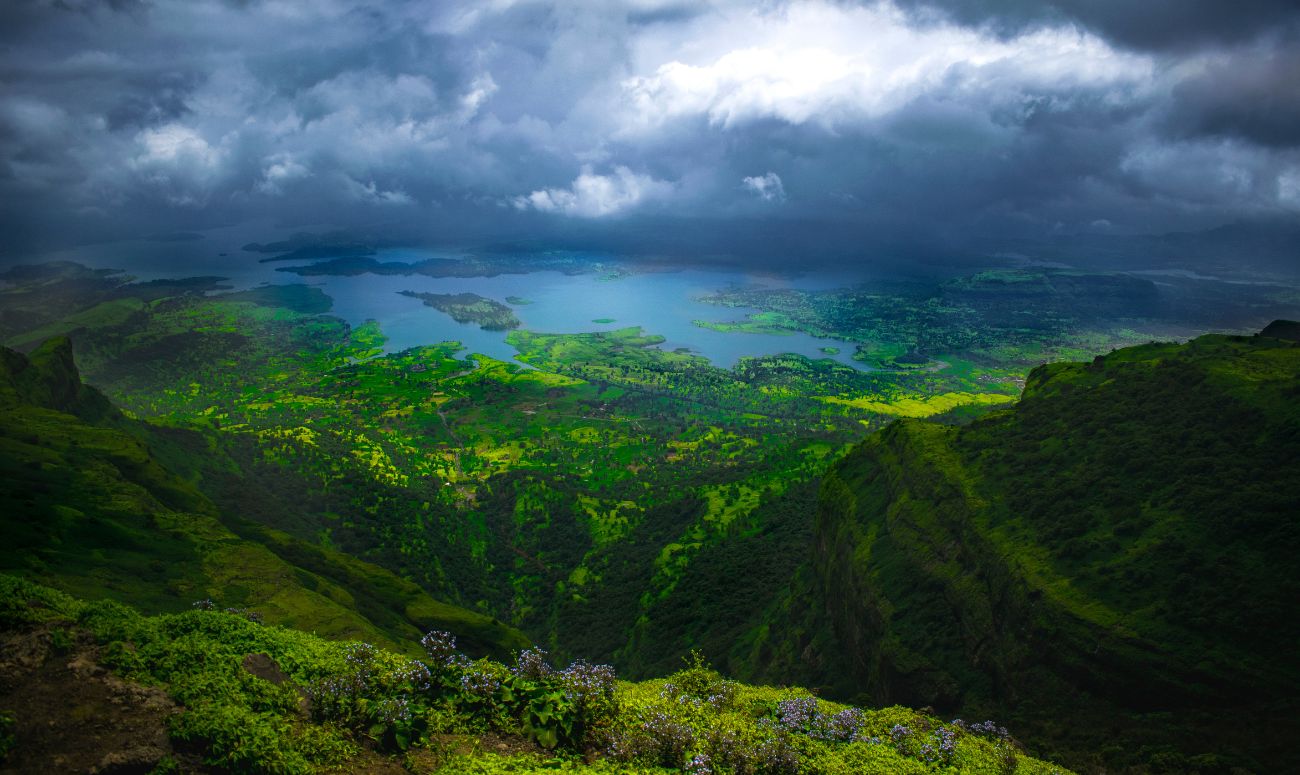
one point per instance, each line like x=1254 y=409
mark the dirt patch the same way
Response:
x=433 y=757
x=370 y=763
x=71 y=715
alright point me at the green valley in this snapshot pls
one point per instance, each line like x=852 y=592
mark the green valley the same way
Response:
x=609 y=497
x=649 y=387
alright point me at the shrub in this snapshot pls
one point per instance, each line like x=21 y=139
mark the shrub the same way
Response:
x=7 y=739
x=340 y=696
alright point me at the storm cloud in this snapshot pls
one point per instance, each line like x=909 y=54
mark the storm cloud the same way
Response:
x=647 y=124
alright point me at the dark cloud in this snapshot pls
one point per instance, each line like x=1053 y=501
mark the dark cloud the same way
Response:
x=665 y=14
x=155 y=99
x=90 y=6
x=1254 y=96
x=791 y=129
x=1148 y=24
x=1244 y=85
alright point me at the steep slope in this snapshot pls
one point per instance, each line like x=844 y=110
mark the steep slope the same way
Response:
x=1111 y=560
x=96 y=687
x=86 y=506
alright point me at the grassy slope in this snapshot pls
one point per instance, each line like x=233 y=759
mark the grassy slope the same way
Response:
x=516 y=492
x=239 y=689
x=1110 y=564
x=441 y=500
x=87 y=507
x=276 y=373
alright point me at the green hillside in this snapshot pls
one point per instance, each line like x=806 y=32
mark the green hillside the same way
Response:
x=1103 y=567
x=208 y=691
x=87 y=507
x=1110 y=564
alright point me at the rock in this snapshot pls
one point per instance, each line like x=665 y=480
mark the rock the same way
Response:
x=262 y=666
x=138 y=759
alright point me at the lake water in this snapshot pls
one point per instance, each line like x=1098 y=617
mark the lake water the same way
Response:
x=660 y=302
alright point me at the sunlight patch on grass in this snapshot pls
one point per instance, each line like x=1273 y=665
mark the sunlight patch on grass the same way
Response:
x=919 y=407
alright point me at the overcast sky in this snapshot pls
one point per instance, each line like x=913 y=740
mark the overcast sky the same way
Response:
x=688 y=123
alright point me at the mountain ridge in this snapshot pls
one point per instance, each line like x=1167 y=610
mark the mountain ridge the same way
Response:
x=1051 y=550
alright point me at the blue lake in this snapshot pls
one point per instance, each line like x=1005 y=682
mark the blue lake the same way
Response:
x=664 y=302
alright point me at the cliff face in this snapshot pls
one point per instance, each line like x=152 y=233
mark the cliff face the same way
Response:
x=918 y=597
x=48 y=378
x=1118 y=548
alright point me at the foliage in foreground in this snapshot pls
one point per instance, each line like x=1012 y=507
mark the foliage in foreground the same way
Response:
x=322 y=703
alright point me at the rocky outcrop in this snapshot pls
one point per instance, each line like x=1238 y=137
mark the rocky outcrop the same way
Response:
x=48 y=377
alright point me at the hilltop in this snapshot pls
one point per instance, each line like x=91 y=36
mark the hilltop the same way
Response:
x=1110 y=563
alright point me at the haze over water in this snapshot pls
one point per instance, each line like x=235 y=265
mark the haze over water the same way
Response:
x=663 y=302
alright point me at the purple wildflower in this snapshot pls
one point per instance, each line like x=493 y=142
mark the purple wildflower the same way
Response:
x=532 y=664
x=440 y=645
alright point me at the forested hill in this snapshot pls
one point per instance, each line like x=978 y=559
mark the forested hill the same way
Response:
x=94 y=686
x=1110 y=564
x=86 y=506
x=1107 y=568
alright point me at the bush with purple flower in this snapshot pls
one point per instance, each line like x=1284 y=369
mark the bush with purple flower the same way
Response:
x=699 y=764
x=803 y=715
x=375 y=694
x=531 y=664
x=480 y=684
x=440 y=645
x=657 y=739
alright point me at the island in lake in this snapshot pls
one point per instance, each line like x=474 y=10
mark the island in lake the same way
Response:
x=769 y=322
x=489 y=314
